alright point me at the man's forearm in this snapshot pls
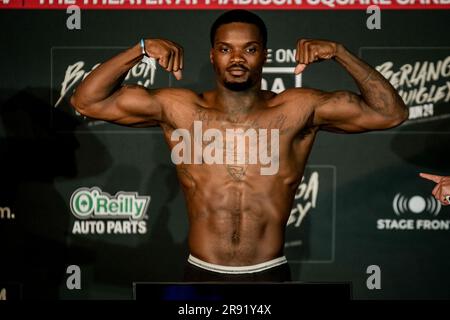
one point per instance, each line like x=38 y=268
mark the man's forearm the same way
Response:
x=376 y=91
x=104 y=79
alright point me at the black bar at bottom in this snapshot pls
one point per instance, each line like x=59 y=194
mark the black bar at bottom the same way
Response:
x=223 y=292
x=235 y=300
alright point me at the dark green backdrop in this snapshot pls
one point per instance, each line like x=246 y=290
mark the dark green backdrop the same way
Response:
x=351 y=182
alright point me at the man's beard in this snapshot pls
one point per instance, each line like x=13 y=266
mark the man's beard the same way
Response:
x=238 y=86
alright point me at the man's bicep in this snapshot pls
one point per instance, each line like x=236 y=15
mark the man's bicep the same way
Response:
x=131 y=105
x=343 y=111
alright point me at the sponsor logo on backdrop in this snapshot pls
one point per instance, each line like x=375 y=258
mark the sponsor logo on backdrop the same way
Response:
x=6 y=213
x=142 y=74
x=310 y=226
x=97 y=212
x=421 y=76
x=416 y=212
x=305 y=199
x=66 y=76
x=279 y=78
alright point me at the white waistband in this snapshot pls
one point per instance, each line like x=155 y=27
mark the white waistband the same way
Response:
x=237 y=269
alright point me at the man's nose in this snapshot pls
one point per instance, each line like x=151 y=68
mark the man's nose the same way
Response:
x=237 y=56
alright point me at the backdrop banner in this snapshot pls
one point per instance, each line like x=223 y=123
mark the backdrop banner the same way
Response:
x=82 y=197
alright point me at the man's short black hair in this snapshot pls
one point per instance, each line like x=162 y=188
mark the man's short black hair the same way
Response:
x=239 y=15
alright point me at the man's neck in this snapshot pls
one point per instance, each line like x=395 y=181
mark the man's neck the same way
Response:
x=237 y=102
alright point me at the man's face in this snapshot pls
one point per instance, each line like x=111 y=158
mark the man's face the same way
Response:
x=238 y=55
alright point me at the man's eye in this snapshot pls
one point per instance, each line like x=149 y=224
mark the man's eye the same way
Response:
x=251 y=50
x=224 y=49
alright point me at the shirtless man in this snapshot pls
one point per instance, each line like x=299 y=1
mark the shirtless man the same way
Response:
x=238 y=210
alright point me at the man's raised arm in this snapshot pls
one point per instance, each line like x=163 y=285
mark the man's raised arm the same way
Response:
x=101 y=94
x=377 y=107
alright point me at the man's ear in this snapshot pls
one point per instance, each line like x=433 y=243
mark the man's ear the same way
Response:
x=265 y=55
x=211 y=55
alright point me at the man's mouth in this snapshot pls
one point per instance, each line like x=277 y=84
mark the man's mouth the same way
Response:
x=237 y=71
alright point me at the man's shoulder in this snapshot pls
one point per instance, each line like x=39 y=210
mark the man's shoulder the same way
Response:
x=179 y=97
x=297 y=97
x=180 y=93
x=301 y=93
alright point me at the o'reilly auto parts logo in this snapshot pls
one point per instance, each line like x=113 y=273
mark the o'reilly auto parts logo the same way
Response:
x=415 y=213
x=98 y=212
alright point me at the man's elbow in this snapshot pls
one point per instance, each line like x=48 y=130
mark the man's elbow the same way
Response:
x=74 y=102
x=77 y=104
x=400 y=116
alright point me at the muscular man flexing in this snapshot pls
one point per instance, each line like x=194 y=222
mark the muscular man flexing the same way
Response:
x=239 y=196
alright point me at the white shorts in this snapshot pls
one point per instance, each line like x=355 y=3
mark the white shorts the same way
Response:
x=237 y=269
